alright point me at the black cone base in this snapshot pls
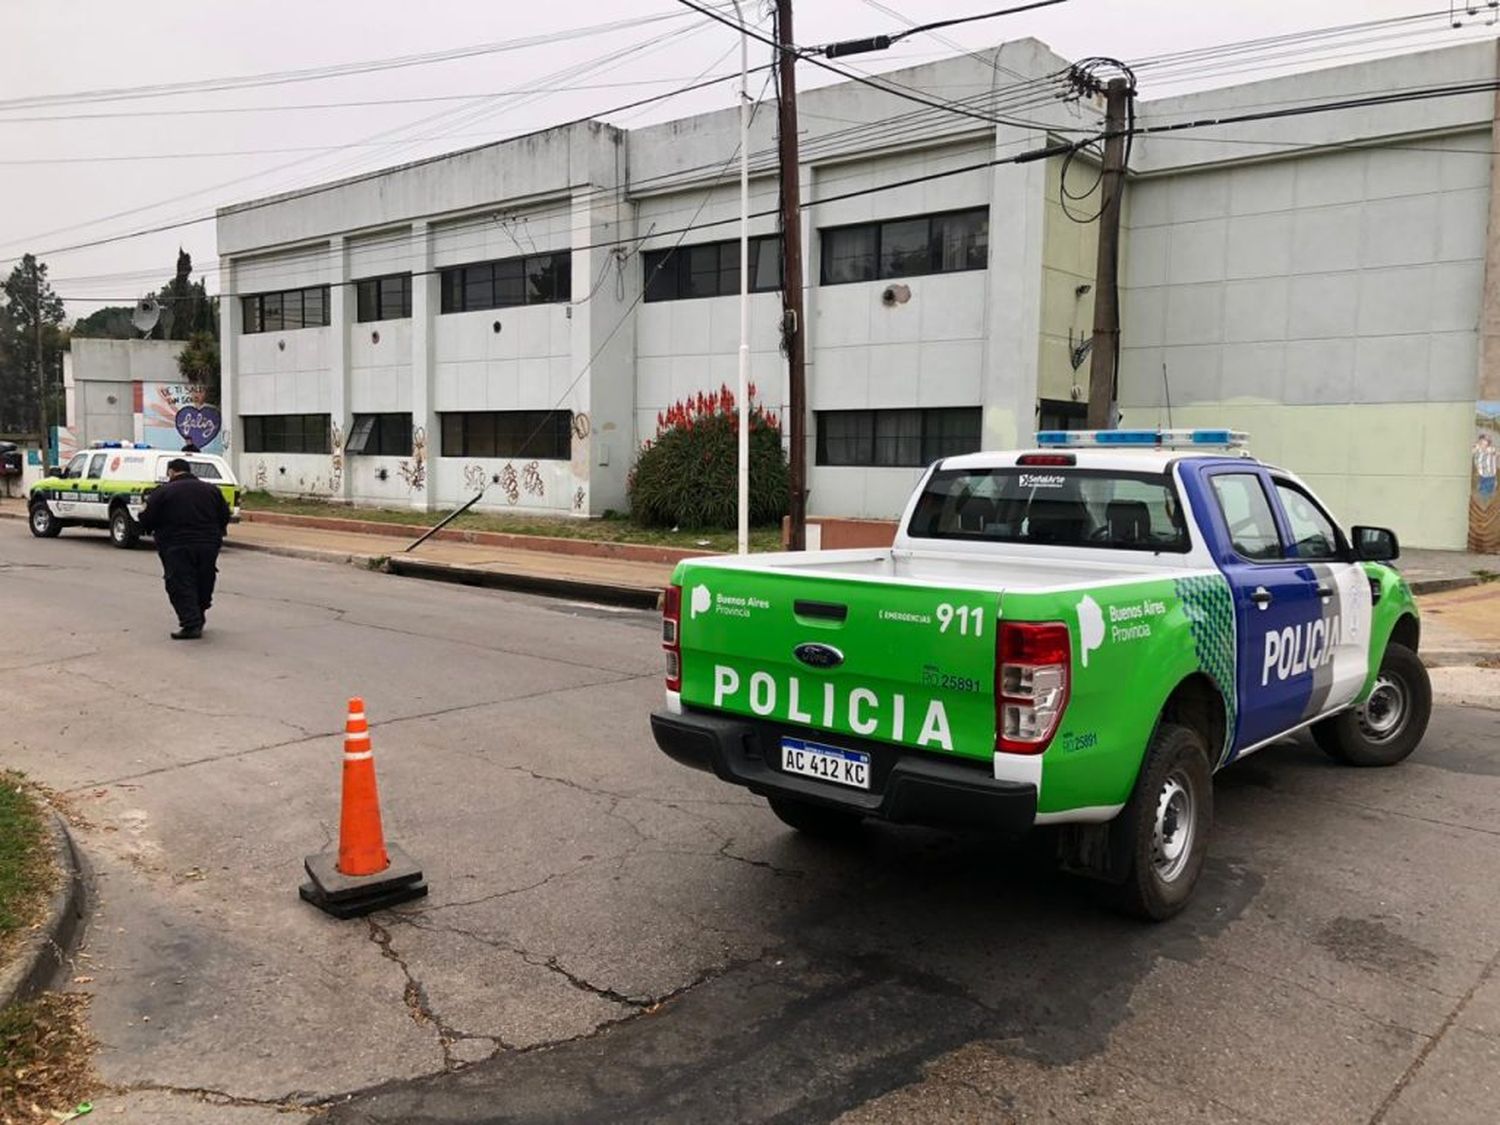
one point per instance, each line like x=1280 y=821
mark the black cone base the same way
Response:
x=357 y=907
x=349 y=896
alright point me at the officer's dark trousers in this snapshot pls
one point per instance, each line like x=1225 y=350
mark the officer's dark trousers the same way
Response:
x=189 y=570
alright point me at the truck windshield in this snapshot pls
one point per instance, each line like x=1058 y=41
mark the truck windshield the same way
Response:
x=1058 y=506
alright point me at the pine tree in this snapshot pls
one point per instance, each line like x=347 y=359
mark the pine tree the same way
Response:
x=28 y=297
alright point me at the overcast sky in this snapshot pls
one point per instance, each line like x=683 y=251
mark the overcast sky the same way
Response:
x=58 y=188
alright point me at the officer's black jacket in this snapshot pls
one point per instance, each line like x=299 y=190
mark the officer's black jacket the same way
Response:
x=185 y=510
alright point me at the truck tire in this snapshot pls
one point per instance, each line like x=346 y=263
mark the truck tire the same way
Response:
x=1166 y=825
x=43 y=524
x=124 y=532
x=815 y=820
x=1386 y=727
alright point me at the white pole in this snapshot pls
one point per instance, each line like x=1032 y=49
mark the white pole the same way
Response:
x=744 y=386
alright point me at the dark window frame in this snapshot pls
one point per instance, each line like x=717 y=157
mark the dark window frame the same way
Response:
x=372 y=294
x=386 y=434
x=516 y=435
x=879 y=271
x=932 y=443
x=286 y=433
x=475 y=286
x=1277 y=559
x=667 y=274
x=255 y=319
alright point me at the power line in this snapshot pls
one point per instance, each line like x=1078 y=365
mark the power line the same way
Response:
x=885 y=86
x=278 y=78
x=317 y=190
x=361 y=103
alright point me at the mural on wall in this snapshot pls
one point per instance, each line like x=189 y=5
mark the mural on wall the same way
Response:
x=1484 y=499
x=580 y=498
x=178 y=414
x=414 y=471
x=262 y=476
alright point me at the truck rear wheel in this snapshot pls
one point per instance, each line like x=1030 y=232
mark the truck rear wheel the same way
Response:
x=1167 y=823
x=43 y=524
x=815 y=820
x=124 y=532
x=1387 y=726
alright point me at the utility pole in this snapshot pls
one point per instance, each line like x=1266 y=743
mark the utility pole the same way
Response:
x=41 y=376
x=791 y=269
x=1104 y=362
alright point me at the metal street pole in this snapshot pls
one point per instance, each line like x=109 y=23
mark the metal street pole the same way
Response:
x=41 y=376
x=744 y=384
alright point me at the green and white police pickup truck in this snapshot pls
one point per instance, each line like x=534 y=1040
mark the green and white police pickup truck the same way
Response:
x=1075 y=637
x=105 y=486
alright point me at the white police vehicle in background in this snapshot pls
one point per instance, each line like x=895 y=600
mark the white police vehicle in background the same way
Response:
x=105 y=486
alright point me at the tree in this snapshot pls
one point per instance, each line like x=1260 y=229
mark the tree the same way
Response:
x=31 y=310
x=112 y=322
x=187 y=309
x=199 y=362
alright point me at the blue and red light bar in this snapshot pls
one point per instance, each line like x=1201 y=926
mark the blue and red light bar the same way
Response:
x=1145 y=439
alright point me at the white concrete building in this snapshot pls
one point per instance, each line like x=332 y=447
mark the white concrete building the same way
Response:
x=515 y=316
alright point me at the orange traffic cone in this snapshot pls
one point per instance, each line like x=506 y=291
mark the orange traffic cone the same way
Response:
x=364 y=874
x=361 y=840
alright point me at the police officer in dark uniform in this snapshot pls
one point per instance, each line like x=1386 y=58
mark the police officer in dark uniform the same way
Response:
x=187 y=516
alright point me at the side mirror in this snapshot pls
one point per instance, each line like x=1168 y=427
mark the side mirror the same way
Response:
x=54 y=470
x=1375 y=544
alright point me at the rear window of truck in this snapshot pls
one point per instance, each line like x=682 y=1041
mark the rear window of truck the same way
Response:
x=1055 y=506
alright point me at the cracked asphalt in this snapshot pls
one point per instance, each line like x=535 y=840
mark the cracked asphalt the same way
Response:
x=610 y=937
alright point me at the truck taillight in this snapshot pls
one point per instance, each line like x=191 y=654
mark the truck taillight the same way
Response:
x=671 y=625
x=1032 y=662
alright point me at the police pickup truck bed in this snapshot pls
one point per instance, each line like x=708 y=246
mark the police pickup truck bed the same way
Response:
x=1073 y=636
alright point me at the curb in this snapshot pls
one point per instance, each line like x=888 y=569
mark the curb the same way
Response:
x=42 y=953
x=311 y=554
x=1440 y=585
x=637 y=597
x=544 y=544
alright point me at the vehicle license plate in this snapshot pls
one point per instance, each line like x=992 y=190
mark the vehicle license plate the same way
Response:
x=826 y=763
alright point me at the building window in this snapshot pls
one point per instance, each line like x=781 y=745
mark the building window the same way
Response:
x=384 y=298
x=380 y=435
x=285 y=433
x=905 y=438
x=288 y=309
x=945 y=243
x=542 y=435
x=1062 y=414
x=539 y=279
x=711 y=269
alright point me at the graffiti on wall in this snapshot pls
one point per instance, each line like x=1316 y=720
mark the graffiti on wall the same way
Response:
x=414 y=470
x=336 y=471
x=1484 y=464
x=174 y=414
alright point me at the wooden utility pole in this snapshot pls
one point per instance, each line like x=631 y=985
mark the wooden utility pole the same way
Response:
x=1104 y=361
x=791 y=269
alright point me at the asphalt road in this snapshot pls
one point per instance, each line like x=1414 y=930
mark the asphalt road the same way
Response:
x=610 y=937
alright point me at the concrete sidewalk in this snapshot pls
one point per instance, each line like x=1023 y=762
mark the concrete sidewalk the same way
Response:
x=612 y=580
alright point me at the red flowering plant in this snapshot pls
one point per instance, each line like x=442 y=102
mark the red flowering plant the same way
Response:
x=688 y=474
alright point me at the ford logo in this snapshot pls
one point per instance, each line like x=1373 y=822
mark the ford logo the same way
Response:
x=818 y=656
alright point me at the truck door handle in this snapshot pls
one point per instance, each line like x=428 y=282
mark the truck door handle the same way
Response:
x=820 y=611
x=1325 y=591
x=1261 y=597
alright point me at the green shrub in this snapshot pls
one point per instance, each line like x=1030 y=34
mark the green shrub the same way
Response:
x=688 y=475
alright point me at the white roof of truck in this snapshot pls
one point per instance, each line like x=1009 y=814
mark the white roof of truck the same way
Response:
x=1147 y=460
